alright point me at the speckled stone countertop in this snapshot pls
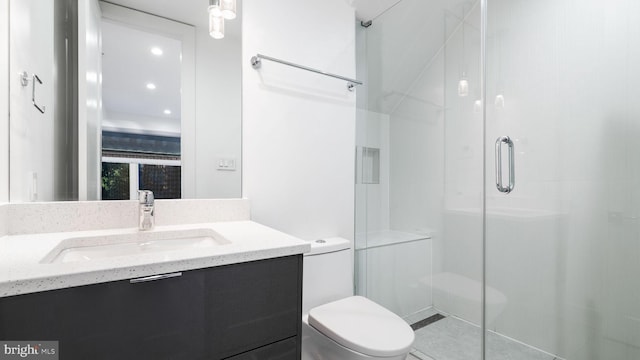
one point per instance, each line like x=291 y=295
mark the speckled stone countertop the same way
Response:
x=21 y=270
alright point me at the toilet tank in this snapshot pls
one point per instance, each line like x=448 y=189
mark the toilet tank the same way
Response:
x=327 y=272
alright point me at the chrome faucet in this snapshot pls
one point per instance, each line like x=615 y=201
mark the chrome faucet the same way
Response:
x=146 y=220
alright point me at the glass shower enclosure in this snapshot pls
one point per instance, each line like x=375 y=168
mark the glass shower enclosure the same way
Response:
x=498 y=168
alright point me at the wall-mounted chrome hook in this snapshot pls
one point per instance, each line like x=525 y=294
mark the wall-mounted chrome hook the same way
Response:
x=256 y=62
x=24 y=81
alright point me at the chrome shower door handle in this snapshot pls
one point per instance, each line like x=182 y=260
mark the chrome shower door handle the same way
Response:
x=512 y=177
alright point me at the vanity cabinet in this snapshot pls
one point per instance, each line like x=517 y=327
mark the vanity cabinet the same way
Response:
x=247 y=311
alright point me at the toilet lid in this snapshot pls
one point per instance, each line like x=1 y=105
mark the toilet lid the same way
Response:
x=360 y=324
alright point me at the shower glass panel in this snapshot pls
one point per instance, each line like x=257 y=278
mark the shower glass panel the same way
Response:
x=419 y=172
x=563 y=249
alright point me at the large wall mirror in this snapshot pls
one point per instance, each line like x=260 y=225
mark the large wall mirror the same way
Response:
x=123 y=95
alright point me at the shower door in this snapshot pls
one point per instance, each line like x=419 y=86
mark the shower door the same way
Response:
x=563 y=246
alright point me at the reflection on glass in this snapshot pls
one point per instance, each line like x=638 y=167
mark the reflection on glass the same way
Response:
x=120 y=178
x=499 y=102
x=115 y=181
x=163 y=180
x=463 y=86
x=141 y=130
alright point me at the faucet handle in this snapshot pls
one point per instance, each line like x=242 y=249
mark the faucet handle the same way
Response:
x=145 y=197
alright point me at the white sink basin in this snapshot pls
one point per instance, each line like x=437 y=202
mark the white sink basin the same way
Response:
x=135 y=243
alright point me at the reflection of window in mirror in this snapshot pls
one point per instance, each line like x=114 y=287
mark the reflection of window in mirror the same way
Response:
x=141 y=126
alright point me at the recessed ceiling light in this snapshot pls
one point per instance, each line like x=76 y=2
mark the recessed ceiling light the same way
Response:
x=156 y=51
x=151 y=86
x=167 y=112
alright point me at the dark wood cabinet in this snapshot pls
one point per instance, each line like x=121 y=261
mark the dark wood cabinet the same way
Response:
x=249 y=310
x=281 y=350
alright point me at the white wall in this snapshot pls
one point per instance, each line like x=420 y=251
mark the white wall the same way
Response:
x=299 y=127
x=218 y=113
x=31 y=137
x=4 y=101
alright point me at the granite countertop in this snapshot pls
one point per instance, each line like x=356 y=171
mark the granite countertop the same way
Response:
x=22 y=270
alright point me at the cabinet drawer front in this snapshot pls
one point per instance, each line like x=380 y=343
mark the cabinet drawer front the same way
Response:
x=116 y=320
x=253 y=304
x=208 y=313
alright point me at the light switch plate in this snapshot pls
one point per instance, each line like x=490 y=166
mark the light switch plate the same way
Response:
x=226 y=164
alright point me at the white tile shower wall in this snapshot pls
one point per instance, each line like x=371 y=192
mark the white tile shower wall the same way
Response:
x=405 y=85
x=435 y=141
x=32 y=218
x=417 y=156
x=567 y=72
x=397 y=276
x=299 y=127
x=460 y=251
x=4 y=101
x=373 y=132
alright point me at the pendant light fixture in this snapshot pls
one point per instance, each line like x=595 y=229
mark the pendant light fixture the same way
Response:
x=463 y=84
x=216 y=21
x=214 y=8
x=228 y=8
x=216 y=26
x=219 y=10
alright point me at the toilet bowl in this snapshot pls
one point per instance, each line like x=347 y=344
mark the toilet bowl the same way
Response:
x=336 y=324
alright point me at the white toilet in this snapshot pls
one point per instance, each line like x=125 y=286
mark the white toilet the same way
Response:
x=337 y=325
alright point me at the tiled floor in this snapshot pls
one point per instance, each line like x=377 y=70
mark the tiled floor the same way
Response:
x=453 y=339
x=415 y=354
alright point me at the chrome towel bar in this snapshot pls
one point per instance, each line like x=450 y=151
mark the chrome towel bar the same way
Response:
x=256 y=62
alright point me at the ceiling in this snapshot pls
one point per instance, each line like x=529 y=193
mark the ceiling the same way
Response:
x=370 y=9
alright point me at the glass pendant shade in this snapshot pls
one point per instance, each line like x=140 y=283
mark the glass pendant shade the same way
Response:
x=463 y=86
x=215 y=9
x=216 y=26
x=477 y=106
x=228 y=9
